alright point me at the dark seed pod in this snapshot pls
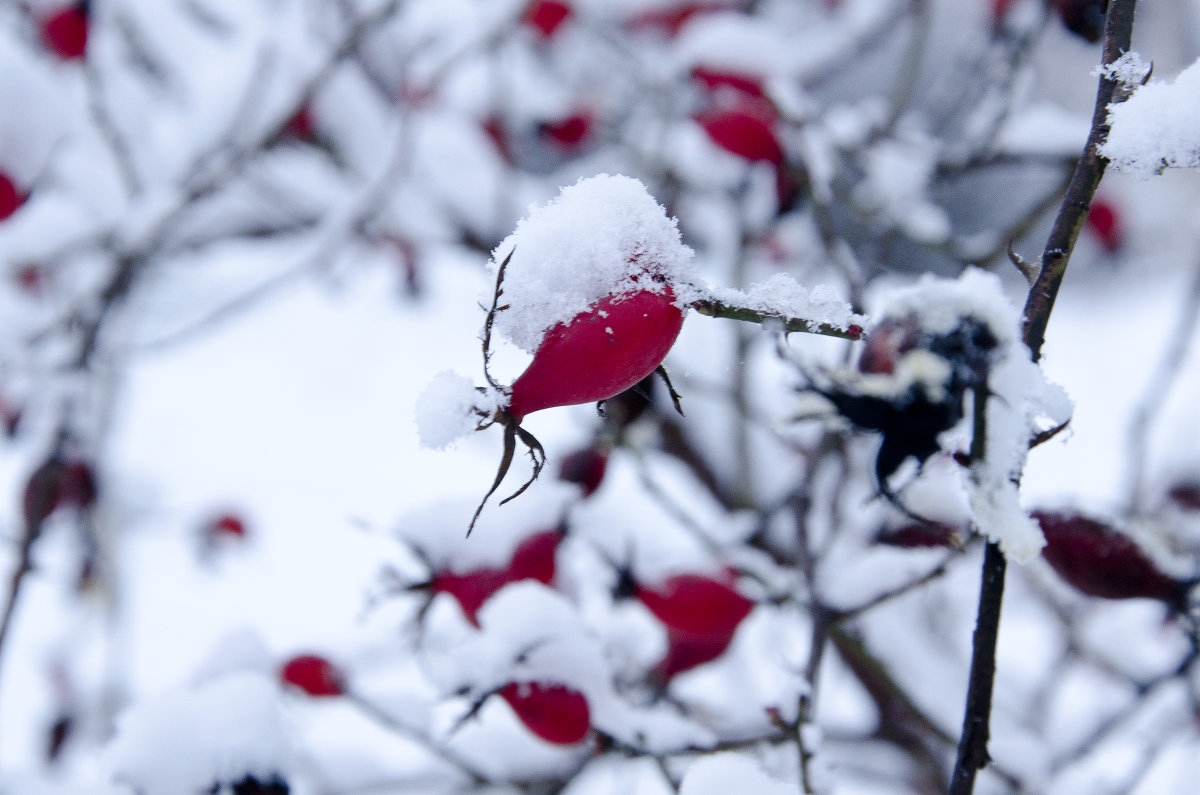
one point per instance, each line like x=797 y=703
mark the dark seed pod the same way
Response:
x=1099 y=561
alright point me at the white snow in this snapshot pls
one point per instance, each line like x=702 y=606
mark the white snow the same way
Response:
x=782 y=296
x=1158 y=127
x=722 y=774
x=182 y=743
x=450 y=408
x=586 y=244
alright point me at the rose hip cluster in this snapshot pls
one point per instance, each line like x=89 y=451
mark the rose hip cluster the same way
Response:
x=699 y=614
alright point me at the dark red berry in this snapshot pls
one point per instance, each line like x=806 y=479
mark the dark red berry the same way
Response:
x=58 y=482
x=11 y=198
x=1099 y=561
x=313 y=674
x=546 y=16
x=1186 y=495
x=301 y=125
x=1084 y=18
x=554 y=712
x=65 y=31
x=585 y=467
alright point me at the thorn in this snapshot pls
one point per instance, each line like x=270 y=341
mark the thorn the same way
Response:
x=1029 y=270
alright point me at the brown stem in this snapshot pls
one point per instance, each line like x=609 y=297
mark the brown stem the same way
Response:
x=793 y=324
x=972 y=750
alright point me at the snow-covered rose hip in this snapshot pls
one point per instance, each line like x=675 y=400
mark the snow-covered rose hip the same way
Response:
x=594 y=286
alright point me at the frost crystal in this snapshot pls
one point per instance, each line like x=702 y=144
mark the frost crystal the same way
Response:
x=1158 y=127
x=602 y=236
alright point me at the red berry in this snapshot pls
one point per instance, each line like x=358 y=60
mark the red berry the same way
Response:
x=570 y=132
x=534 y=559
x=1103 y=220
x=686 y=651
x=693 y=605
x=744 y=132
x=228 y=525
x=301 y=125
x=585 y=467
x=315 y=675
x=599 y=353
x=56 y=483
x=11 y=197
x=717 y=79
x=471 y=589
x=554 y=712
x=546 y=16
x=65 y=32
x=1099 y=561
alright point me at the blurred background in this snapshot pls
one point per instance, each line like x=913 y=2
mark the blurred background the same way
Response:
x=239 y=237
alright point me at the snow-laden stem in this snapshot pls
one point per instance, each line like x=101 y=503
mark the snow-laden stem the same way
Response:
x=972 y=749
x=711 y=308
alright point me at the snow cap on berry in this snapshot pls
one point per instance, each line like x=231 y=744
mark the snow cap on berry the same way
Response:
x=603 y=236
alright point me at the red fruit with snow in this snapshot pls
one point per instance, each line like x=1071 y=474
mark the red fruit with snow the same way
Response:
x=686 y=651
x=11 y=197
x=556 y=713
x=601 y=352
x=716 y=80
x=534 y=559
x=65 y=31
x=1099 y=561
x=695 y=605
x=746 y=132
x=313 y=674
x=569 y=133
x=1105 y=222
x=545 y=17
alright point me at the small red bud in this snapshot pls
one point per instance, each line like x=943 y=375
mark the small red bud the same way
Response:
x=1104 y=221
x=11 y=197
x=313 y=674
x=569 y=133
x=65 y=31
x=546 y=16
x=921 y=534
